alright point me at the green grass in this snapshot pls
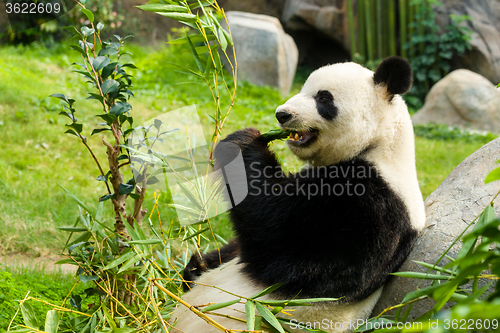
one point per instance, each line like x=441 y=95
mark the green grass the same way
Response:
x=19 y=282
x=37 y=156
x=435 y=160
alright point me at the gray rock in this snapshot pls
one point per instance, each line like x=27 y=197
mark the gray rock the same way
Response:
x=324 y=16
x=329 y=18
x=266 y=7
x=266 y=55
x=484 y=58
x=462 y=98
x=449 y=209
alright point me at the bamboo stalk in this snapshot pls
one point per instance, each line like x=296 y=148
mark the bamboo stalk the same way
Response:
x=190 y=307
x=379 y=23
x=370 y=42
x=385 y=28
x=421 y=28
x=352 y=32
x=360 y=11
x=411 y=30
x=403 y=4
x=392 y=27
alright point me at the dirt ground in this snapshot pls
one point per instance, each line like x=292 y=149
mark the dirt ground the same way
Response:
x=43 y=263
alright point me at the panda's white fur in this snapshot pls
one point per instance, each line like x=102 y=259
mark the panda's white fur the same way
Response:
x=371 y=121
x=229 y=277
x=364 y=118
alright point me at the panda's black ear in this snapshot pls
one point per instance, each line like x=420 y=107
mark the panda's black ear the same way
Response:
x=395 y=74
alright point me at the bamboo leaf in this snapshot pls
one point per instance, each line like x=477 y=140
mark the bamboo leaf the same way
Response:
x=145 y=241
x=220 y=305
x=470 y=241
x=190 y=196
x=184 y=209
x=51 y=321
x=78 y=201
x=269 y=317
x=72 y=229
x=182 y=17
x=122 y=258
x=421 y=292
x=443 y=294
x=250 y=314
x=195 y=234
x=196 y=38
x=129 y=263
x=298 y=302
x=434 y=267
x=162 y=8
x=492 y=176
x=29 y=316
x=267 y=290
x=195 y=54
x=419 y=275
x=109 y=319
x=222 y=39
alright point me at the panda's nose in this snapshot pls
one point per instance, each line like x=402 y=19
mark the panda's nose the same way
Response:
x=283 y=116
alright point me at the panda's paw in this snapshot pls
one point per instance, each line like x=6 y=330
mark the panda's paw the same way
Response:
x=236 y=143
x=243 y=137
x=193 y=270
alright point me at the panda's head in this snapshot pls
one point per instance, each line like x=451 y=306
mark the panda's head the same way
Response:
x=345 y=109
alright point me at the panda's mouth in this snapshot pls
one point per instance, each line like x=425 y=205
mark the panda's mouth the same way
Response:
x=302 y=138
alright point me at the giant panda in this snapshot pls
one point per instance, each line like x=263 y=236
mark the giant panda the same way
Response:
x=353 y=130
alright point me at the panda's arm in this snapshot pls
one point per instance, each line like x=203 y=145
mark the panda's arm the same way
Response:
x=273 y=197
x=199 y=265
x=318 y=244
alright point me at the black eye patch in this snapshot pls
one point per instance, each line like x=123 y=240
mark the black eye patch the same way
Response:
x=324 y=104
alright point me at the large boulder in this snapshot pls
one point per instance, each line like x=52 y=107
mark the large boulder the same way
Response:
x=449 y=209
x=462 y=98
x=484 y=58
x=266 y=55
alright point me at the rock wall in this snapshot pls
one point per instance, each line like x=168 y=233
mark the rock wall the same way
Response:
x=484 y=58
x=449 y=209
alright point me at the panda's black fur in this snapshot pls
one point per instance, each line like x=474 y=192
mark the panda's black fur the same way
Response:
x=317 y=245
x=324 y=245
x=211 y=260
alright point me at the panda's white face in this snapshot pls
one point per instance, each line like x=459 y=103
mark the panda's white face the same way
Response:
x=336 y=114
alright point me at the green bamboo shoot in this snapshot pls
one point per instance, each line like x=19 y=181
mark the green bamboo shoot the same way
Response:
x=402 y=26
x=392 y=27
x=352 y=32
x=370 y=40
x=360 y=11
x=379 y=26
